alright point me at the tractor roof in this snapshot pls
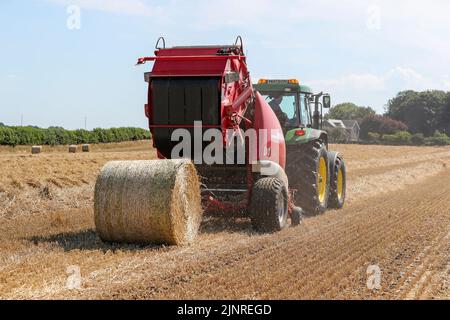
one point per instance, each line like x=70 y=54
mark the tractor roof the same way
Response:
x=281 y=85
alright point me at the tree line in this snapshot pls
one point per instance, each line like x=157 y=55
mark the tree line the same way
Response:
x=13 y=136
x=417 y=118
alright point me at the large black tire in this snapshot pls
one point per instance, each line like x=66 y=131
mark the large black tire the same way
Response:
x=303 y=172
x=269 y=205
x=338 y=173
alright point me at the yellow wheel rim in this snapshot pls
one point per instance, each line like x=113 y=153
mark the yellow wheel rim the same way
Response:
x=340 y=184
x=322 y=180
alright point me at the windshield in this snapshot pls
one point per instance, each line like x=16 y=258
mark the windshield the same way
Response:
x=285 y=107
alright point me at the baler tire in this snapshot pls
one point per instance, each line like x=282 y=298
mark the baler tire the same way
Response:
x=269 y=205
x=338 y=193
x=302 y=170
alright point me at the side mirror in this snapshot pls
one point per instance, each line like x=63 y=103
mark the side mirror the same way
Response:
x=326 y=102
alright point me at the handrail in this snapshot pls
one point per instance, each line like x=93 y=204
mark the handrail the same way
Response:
x=188 y=58
x=239 y=39
x=163 y=41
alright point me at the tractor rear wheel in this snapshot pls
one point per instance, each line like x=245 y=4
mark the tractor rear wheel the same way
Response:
x=338 y=181
x=309 y=174
x=269 y=205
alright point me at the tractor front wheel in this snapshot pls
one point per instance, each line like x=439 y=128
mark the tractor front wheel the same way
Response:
x=269 y=205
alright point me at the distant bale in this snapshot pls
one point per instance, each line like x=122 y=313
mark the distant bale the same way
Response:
x=86 y=148
x=73 y=149
x=36 y=149
x=154 y=202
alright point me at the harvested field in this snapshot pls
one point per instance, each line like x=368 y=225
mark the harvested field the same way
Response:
x=397 y=217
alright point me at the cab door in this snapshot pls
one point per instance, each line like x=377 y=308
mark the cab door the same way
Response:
x=305 y=114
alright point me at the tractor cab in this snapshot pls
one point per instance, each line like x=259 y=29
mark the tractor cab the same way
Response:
x=294 y=104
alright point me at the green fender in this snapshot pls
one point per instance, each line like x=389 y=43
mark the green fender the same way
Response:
x=292 y=138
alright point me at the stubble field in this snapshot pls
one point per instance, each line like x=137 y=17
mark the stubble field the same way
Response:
x=397 y=217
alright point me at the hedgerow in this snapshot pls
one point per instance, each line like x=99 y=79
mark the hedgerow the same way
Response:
x=13 y=136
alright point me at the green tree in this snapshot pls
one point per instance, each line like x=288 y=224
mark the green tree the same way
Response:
x=380 y=124
x=438 y=139
x=444 y=123
x=399 y=138
x=422 y=112
x=28 y=135
x=418 y=139
x=8 y=137
x=403 y=137
x=373 y=137
x=83 y=136
x=349 y=111
x=51 y=137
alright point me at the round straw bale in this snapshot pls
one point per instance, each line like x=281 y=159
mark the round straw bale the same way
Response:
x=154 y=201
x=73 y=149
x=36 y=149
x=86 y=148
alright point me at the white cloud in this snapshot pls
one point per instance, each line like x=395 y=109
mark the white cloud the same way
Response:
x=128 y=7
x=409 y=78
x=447 y=85
x=401 y=77
x=364 y=81
x=375 y=89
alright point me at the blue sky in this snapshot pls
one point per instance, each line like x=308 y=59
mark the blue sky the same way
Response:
x=364 y=52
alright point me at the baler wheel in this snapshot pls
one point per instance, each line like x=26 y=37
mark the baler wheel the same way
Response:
x=269 y=205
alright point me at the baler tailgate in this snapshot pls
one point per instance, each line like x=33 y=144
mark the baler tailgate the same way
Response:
x=179 y=102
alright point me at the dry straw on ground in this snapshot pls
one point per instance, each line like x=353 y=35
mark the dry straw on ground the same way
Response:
x=148 y=202
x=36 y=149
x=404 y=231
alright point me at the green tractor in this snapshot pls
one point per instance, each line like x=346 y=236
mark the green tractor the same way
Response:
x=318 y=175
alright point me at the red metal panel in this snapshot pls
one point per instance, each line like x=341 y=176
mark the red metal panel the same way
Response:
x=177 y=62
x=187 y=68
x=266 y=119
